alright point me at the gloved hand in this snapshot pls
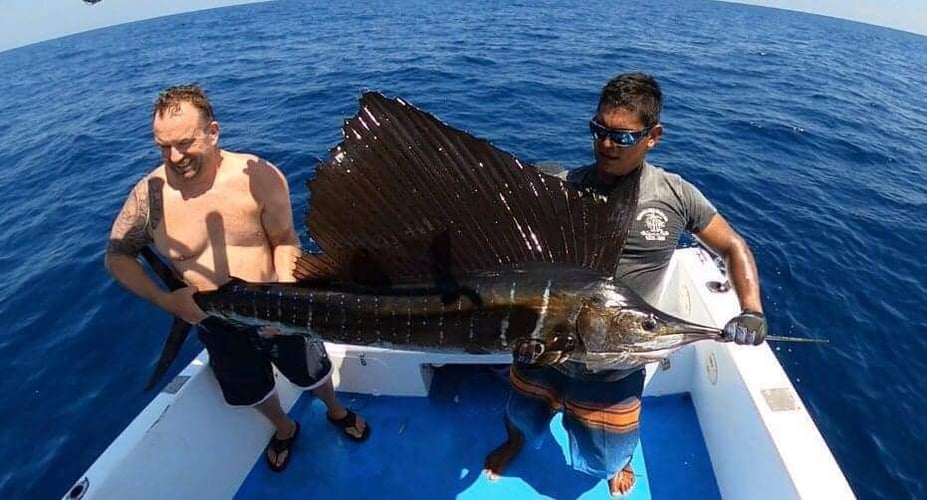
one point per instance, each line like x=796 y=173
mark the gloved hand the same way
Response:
x=748 y=328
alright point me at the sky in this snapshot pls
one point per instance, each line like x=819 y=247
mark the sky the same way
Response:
x=29 y=21
x=906 y=15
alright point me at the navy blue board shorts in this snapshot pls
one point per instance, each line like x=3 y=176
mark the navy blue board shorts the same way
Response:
x=241 y=360
x=601 y=418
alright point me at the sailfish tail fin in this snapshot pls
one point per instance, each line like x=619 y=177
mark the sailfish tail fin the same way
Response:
x=180 y=329
x=177 y=335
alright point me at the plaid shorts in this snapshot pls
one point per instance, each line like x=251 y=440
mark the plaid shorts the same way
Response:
x=601 y=418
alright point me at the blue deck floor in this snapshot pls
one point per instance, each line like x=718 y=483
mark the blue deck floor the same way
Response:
x=434 y=448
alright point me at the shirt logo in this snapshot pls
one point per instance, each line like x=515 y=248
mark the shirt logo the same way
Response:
x=654 y=224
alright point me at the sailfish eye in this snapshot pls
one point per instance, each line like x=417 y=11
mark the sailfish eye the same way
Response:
x=649 y=323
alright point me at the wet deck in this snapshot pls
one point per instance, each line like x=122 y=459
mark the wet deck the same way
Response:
x=434 y=448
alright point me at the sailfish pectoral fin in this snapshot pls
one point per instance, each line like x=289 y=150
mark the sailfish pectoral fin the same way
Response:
x=451 y=290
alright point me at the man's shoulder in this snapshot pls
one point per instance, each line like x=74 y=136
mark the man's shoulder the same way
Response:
x=660 y=172
x=660 y=178
x=249 y=164
x=580 y=176
x=239 y=157
x=261 y=177
x=141 y=186
x=661 y=185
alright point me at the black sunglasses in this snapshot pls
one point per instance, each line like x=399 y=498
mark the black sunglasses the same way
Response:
x=620 y=138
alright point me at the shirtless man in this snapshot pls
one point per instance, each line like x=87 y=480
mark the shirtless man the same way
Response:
x=217 y=214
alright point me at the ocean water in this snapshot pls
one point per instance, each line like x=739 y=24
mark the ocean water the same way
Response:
x=806 y=132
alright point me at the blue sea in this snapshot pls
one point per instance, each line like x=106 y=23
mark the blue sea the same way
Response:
x=808 y=133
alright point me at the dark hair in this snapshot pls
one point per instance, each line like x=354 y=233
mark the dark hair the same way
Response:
x=637 y=92
x=170 y=99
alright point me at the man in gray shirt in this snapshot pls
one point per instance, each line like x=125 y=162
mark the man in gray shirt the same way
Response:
x=602 y=410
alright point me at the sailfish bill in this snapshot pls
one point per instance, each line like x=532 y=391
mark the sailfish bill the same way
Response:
x=433 y=239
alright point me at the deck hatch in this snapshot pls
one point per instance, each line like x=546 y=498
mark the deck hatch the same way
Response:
x=780 y=399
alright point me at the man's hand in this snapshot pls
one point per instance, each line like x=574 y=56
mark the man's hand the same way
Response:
x=749 y=328
x=180 y=303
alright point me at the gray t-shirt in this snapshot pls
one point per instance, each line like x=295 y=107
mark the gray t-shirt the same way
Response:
x=668 y=205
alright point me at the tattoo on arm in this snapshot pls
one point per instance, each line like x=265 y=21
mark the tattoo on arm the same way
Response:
x=130 y=232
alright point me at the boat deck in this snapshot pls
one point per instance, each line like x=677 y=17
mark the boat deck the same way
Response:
x=434 y=448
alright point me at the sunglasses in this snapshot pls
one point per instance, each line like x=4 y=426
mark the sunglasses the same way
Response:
x=620 y=138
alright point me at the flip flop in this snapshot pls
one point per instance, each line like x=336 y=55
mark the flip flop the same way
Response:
x=349 y=421
x=279 y=446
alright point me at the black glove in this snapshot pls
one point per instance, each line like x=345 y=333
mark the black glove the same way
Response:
x=749 y=328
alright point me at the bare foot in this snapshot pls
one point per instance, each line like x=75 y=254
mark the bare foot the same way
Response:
x=622 y=482
x=500 y=458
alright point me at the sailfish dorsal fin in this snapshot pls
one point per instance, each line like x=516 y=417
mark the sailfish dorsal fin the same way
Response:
x=402 y=180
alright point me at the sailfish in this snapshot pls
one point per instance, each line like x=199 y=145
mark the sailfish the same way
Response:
x=432 y=239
